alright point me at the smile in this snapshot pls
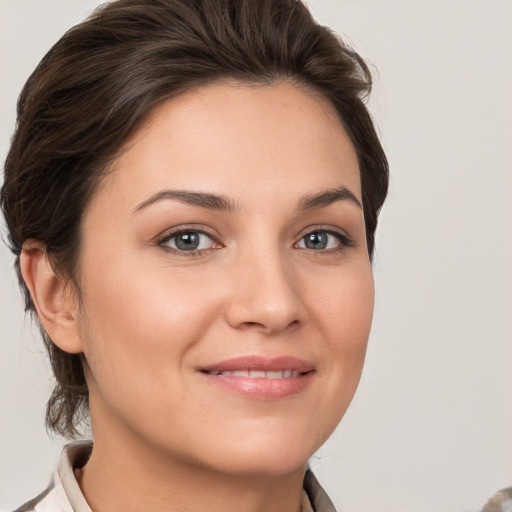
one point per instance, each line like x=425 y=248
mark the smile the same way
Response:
x=259 y=374
x=261 y=378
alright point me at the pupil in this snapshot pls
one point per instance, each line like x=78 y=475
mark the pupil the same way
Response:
x=316 y=241
x=187 y=241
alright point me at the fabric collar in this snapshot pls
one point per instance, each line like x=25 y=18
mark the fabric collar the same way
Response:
x=76 y=454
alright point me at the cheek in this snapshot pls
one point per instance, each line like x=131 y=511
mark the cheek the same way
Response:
x=344 y=311
x=340 y=316
x=136 y=298
x=136 y=328
x=345 y=305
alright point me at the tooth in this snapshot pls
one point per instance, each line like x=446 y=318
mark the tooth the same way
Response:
x=258 y=374
x=240 y=373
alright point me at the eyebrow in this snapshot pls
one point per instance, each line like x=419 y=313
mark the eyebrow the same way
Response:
x=202 y=199
x=327 y=197
x=225 y=204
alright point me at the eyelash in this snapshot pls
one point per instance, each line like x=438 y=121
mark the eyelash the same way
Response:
x=182 y=230
x=344 y=241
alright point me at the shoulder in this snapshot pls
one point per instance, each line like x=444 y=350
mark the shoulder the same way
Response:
x=63 y=494
x=30 y=506
x=316 y=494
x=500 y=502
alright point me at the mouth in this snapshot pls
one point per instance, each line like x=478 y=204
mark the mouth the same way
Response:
x=258 y=374
x=261 y=378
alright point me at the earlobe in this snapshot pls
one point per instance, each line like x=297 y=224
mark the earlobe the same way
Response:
x=55 y=306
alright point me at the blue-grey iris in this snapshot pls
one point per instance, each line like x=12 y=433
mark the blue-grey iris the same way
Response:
x=187 y=241
x=316 y=240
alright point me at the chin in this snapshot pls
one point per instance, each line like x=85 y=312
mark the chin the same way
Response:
x=265 y=465
x=271 y=454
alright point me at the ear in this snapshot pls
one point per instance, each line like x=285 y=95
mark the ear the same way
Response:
x=56 y=307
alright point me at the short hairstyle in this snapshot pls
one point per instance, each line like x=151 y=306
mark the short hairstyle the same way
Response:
x=100 y=81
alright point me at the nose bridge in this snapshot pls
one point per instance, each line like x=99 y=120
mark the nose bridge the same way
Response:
x=265 y=294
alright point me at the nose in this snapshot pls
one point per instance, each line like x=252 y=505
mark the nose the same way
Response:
x=265 y=295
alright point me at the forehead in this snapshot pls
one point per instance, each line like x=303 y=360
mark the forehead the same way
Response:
x=239 y=140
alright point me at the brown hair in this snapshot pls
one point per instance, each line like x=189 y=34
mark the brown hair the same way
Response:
x=101 y=79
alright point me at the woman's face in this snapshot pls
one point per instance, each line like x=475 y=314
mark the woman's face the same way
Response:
x=229 y=237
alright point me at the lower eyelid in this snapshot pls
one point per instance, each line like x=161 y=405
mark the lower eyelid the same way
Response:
x=165 y=240
x=343 y=239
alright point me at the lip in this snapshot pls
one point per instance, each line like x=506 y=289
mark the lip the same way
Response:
x=261 y=363
x=261 y=388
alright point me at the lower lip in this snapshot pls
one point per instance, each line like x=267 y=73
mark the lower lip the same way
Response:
x=261 y=388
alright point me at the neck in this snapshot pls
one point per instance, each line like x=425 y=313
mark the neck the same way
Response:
x=125 y=474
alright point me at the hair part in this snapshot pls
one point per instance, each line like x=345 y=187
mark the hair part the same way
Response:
x=100 y=81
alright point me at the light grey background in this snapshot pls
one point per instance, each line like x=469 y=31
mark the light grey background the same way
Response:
x=431 y=425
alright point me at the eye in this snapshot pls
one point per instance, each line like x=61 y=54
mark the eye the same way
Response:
x=188 y=241
x=323 y=240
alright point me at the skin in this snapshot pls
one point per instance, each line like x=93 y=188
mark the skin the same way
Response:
x=151 y=316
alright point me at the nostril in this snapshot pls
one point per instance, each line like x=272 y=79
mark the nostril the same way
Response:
x=261 y=325
x=264 y=312
x=252 y=325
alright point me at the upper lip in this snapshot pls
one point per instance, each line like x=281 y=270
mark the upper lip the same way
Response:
x=260 y=363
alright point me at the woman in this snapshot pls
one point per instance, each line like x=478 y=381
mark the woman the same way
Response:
x=192 y=194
